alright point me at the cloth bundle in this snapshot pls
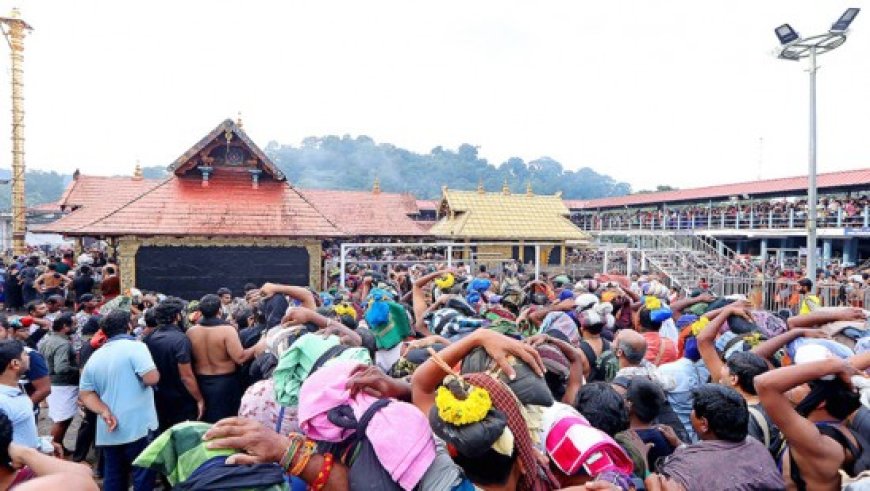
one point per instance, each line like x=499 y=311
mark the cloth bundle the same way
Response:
x=563 y=324
x=398 y=432
x=297 y=363
x=386 y=319
x=180 y=454
x=449 y=322
x=528 y=387
x=475 y=290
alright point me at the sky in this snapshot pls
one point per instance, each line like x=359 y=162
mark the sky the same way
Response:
x=675 y=92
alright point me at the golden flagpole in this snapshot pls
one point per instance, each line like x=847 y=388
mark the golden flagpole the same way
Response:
x=14 y=30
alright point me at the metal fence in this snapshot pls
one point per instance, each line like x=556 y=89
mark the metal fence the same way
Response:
x=778 y=295
x=690 y=221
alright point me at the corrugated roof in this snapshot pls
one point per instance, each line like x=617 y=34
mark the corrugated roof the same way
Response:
x=229 y=206
x=366 y=213
x=476 y=215
x=751 y=188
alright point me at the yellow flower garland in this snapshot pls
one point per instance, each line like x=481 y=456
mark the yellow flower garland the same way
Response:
x=344 y=309
x=458 y=412
x=652 y=303
x=699 y=325
x=445 y=282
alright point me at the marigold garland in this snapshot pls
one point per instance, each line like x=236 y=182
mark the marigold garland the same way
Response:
x=462 y=412
x=699 y=325
x=445 y=282
x=753 y=339
x=652 y=303
x=343 y=309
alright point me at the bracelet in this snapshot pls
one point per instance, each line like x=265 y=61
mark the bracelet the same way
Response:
x=296 y=441
x=308 y=449
x=323 y=474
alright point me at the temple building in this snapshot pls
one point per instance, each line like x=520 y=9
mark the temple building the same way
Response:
x=508 y=226
x=226 y=215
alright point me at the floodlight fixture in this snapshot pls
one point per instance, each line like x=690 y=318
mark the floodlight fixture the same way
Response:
x=842 y=24
x=786 y=34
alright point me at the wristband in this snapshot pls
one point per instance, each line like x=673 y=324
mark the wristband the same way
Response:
x=307 y=451
x=323 y=474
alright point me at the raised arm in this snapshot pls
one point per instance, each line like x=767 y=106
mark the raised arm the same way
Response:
x=429 y=375
x=301 y=294
x=803 y=437
x=418 y=300
x=821 y=317
x=707 y=339
x=678 y=305
x=769 y=347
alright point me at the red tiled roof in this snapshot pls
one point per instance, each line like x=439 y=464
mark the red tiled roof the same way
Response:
x=423 y=204
x=365 y=213
x=229 y=206
x=51 y=207
x=86 y=191
x=751 y=188
x=92 y=197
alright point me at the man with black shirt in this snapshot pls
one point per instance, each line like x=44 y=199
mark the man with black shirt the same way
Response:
x=177 y=397
x=83 y=283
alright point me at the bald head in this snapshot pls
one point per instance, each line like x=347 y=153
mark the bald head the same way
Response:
x=632 y=345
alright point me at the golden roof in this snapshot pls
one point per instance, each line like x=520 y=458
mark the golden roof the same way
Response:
x=477 y=215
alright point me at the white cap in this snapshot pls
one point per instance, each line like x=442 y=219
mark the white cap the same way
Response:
x=808 y=353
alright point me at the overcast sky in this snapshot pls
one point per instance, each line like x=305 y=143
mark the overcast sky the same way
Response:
x=650 y=92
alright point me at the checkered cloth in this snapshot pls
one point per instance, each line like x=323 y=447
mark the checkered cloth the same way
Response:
x=539 y=478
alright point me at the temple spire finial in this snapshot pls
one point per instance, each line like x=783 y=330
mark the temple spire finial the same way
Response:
x=137 y=171
x=480 y=189
x=239 y=120
x=505 y=189
x=529 y=189
x=376 y=189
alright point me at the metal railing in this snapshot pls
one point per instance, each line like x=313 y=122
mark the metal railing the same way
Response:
x=791 y=219
x=776 y=295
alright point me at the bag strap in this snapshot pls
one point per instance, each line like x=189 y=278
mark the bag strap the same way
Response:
x=280 y=419
x=837 y=435
x=761 y=421
x=589 y=352
x=367 y=416
x=327 y=355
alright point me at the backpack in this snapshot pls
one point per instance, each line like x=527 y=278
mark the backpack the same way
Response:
x=603 y=367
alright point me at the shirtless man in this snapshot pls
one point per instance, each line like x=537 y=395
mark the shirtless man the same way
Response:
x=217 y=351
x=816 y=429
x=51 y=282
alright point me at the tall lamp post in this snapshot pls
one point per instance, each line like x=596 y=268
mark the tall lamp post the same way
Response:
x=795 y=48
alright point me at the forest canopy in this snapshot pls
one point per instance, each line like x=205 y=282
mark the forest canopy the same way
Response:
x=345 y=162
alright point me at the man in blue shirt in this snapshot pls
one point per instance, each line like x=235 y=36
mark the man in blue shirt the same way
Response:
x=116 y=384
x=13 y=401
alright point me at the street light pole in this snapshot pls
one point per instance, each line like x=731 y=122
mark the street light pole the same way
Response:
x=794 y=48
x=812 y=189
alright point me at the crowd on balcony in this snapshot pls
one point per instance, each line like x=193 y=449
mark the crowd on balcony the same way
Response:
x=832 y=211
